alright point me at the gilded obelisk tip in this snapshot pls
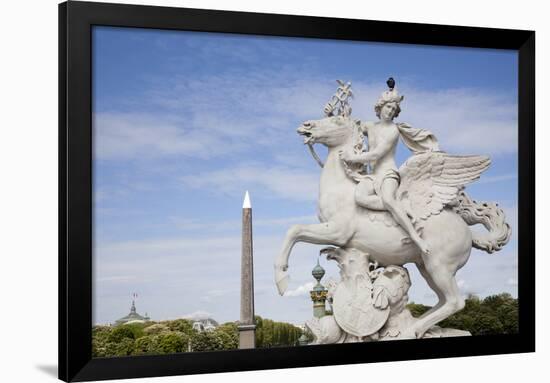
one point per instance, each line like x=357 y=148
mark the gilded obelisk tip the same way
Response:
x=246 y=203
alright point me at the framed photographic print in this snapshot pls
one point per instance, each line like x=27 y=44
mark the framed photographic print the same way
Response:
x=289 y=191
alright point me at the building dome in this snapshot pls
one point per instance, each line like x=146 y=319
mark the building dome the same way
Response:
x=132 y=317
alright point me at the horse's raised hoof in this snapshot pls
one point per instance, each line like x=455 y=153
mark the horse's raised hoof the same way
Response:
x=281 y=278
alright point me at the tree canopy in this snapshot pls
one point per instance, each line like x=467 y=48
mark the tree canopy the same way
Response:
x=174 y=336
x=495 y=314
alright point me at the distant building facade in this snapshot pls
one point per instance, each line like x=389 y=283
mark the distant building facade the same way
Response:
x=207 y=324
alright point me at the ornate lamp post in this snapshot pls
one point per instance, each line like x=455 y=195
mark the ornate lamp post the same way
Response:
x=319 y=292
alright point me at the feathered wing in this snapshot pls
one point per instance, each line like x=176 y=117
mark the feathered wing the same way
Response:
x=431 y=180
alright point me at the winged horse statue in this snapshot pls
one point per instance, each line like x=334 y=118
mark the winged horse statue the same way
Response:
x=432 y=190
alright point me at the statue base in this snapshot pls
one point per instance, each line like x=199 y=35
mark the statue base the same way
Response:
x=369 y=304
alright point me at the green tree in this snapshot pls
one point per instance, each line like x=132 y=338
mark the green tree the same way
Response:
x=181 y=325
x=172 y=342
x=473 y=304
x=230 y=335
x=156 y=328
x=123 y=347
x=275 y=334
x=120 y=333
x=200 y=341
x=495 y=302
x=145 y=345
x=100 y=338
x=259 y=331
x=417 y=309
x=136 y=328
x=496 y=314
x=486 y=324
x=509 y=315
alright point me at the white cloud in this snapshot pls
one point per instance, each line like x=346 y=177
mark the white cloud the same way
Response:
x=189 y=224
x=512 y=281
x=214 y=116
x=165 y=246
x=300 y=290
x=143 y=136
x=303 y=219
x=465 y=121
x=186 y=224
x=197 y=315
x=191 y=274
x=279 y=181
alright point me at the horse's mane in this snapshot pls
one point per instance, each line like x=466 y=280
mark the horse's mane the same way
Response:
x=356 y=171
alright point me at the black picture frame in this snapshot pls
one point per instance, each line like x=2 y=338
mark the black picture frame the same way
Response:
x=75 y=189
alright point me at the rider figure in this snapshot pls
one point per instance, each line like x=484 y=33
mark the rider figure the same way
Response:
x=378 y=191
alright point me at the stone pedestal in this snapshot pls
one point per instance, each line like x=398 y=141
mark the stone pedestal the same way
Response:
x=369 y=303
x=247 y=336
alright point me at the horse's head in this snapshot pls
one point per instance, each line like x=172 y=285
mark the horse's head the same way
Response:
x=329 y=131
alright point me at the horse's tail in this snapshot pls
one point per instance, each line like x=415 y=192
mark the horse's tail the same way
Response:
x=491 y=216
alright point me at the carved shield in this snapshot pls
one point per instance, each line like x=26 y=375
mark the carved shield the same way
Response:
x=353 y=307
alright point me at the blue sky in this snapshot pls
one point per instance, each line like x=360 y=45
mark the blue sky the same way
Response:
x=185 y=122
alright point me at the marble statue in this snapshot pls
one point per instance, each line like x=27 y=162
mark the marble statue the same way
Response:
x=376 y=217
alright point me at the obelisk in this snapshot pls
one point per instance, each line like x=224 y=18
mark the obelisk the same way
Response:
x=247 y=327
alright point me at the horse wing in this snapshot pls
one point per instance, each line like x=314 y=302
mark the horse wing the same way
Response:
x=431 y=180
